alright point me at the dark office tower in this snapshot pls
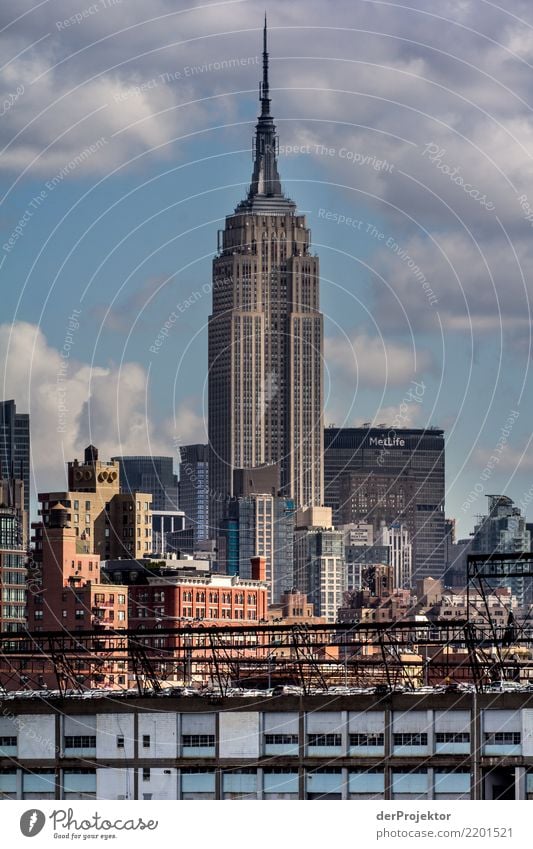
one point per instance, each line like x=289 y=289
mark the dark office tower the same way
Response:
x=15 y=452
x=12 y=570
x=150 y=474
x=265 y=337
x=390 y=475
x=194 y=489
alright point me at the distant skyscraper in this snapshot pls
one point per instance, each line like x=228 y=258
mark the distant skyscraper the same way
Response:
x=319 y=564
x=397 y=537
x=260 y=524
x=12 y=570
x=194 y=489
x=150 y=474
x=504 y=529
x=265 y=337
x=380 y=474
x=15 y=451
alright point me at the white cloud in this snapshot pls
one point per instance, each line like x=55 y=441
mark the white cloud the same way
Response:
x=374 y=361
x=83 y=404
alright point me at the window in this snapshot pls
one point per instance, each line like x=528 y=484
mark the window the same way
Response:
x=121 y=599
x=120 y=742
x=198 y=741
x=410 y=739
x=80 y=742
x=502 y=738
x=87 y=505
x=281 y=739
x=121 y=615
x=146 y=741
x=8 y=741
x=452 y=737
x=376 y=739
x=324 y=739
x=146 y=773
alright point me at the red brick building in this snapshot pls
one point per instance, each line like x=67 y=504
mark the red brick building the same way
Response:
x=71 y=597
x=208 y=598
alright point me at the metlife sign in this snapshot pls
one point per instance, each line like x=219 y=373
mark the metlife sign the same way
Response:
x=386 y=441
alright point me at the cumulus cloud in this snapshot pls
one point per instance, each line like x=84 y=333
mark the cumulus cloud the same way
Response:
x=375 y=361
x=72 y=404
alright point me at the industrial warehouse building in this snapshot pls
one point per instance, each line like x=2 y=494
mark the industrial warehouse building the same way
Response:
x=402 y=746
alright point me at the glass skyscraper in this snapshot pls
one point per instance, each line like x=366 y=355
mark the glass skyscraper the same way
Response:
x=15 y=452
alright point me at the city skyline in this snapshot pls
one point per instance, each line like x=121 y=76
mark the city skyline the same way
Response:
x=417 y=211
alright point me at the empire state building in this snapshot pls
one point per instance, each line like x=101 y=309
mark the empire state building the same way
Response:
x=265 y=337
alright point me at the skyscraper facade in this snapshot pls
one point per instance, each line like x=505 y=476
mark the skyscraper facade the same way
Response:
x=260 y=525
x=375 y=474
x=150 y=474
x=194 y=489
x=15 y=452
x=265 y=337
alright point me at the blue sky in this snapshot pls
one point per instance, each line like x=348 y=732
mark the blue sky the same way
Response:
x=406 y=136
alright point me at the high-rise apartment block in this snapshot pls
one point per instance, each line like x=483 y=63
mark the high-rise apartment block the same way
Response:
x=104 y=520
x=319 y=565
x=265 y=337
x=259 y=524
x=72 y=597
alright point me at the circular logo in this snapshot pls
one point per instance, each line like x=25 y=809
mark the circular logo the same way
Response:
x=32 y=822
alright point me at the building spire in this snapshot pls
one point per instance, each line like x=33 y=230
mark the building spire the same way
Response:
x=265 y=183
x=264 y=87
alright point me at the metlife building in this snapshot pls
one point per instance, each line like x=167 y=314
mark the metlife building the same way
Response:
x=381 y=474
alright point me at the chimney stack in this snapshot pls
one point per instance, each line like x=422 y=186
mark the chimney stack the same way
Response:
x=258 y=568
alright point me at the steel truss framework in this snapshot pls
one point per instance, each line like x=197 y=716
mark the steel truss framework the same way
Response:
x=316 y=656
x=408 y=654
x=486 y=572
